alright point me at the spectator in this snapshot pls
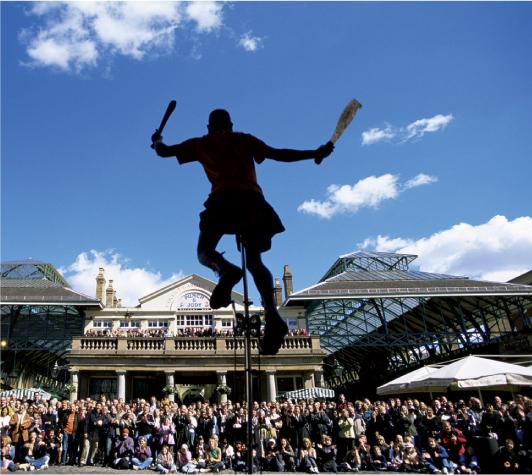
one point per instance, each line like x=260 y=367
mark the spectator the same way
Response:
x=326 y=453
x=34 y=453
x=453 y=441
x=307 y=457
x=511 y=459
x=346 y=434
x=468 y=462
x=436 y=457
x=124 y=449
x=184 y=460
x=142 y=458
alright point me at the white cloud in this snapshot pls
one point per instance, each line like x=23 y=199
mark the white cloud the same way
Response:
x=368 y=192
x=420 y=179
x=250 y=43
x=419 y=127
x=208 y=15
x=130 y=283
x=497 y=250
x=376 y=135
x=78 y=35
x=416 y=129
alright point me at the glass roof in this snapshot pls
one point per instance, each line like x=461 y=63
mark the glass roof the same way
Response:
x=388 y=275
x=32 y=269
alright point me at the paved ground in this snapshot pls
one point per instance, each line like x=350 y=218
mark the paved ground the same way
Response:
x=97 y=469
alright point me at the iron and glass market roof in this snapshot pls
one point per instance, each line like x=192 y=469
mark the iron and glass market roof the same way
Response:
x=370 y=302
x=32 y=269
x=40 y=312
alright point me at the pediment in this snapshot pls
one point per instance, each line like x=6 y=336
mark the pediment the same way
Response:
x=190 y=293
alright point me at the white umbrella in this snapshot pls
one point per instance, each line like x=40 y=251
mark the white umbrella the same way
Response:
x=475 y=372
x=402 y=384
x=306 y=393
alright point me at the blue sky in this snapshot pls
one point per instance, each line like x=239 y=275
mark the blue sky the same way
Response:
x=436 y=163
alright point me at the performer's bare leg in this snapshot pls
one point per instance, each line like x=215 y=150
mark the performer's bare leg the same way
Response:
x=276 y=327
x=229 y=274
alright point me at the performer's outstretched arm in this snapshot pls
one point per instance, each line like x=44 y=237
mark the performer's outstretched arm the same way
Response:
x=289 y=155
x=161 y=149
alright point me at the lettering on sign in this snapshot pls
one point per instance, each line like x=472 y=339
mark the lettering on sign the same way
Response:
x=191 y=300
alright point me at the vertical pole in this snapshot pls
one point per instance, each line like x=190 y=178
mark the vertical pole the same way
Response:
x=249 y=374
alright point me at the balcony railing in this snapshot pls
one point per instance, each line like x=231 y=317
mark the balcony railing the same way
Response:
x=211 y=346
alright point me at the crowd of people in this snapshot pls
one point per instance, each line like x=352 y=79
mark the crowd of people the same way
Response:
x=182 y=333
x=307 y=435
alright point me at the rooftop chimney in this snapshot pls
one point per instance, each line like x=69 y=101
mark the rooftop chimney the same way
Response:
x=287 y=279
x=278 y=293
x=100 y=285
x=109 y=295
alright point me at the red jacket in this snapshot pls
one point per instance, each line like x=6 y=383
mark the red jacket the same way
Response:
x=456 y=448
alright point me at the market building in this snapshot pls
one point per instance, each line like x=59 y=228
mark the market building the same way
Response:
x=140 y=366
x=369 y=320
x=45 y=322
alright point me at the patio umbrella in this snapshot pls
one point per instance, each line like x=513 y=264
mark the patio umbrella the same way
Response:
x=473 y=372
x=401 y=385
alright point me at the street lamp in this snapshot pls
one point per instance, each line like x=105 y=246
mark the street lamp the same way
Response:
x=55 y=370
x=128 y=316
x=337 y=368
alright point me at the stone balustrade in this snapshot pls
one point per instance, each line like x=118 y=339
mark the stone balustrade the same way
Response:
x=208 y=346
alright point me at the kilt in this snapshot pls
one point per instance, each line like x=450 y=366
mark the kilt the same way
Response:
x=242 y=212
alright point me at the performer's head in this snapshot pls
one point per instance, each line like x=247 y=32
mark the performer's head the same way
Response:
x=219 y=119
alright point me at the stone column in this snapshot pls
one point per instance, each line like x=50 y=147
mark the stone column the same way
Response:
x=170 y=382
x=307 y=381
x=320 y=380
x=75 y=394
x=222 y=379
x=121 y=384
x=271 y=388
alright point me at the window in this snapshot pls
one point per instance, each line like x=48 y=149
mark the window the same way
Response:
x=131 y=324
x=292 y=323
x=102 y=324
x=157 y=324
x=227 y=323
x=195 y=320
x=289 y=383
x=103 y=387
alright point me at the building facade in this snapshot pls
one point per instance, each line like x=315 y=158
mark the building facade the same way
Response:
x=118 y=359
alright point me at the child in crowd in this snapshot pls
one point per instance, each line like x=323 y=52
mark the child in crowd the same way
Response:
x=376 y=460
x=351 y=461
x=468 y=462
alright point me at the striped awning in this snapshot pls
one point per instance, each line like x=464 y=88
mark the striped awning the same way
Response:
x=20 y=393
x=306 y=393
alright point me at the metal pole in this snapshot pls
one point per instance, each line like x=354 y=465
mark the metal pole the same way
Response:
x=249 y=373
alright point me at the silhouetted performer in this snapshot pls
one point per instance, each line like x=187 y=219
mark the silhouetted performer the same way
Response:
x=236 y=205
